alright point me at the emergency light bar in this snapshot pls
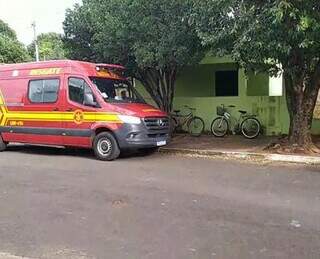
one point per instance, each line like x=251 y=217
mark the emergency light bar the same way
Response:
x=110 y=67
x=110 y=70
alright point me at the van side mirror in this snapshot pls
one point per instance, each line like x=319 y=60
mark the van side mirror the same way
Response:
x=89 y=100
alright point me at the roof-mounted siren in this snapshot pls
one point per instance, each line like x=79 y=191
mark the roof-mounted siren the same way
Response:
x=111 y=69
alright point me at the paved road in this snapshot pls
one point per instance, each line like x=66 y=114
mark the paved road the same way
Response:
x=64 y=204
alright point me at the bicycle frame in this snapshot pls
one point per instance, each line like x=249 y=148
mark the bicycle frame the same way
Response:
x=194 y=124
x=182 y=120
x=234 y=122
x=225 y=123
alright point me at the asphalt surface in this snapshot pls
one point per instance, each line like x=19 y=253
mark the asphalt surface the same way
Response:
x=64 y=204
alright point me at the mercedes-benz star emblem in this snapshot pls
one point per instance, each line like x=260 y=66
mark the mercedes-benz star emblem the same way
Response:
x=161 y=123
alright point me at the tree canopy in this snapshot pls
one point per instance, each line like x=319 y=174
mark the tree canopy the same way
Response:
x=11 y=50
x=274 y=36
x=153 y=39
x=5 y=30
x=51 y=46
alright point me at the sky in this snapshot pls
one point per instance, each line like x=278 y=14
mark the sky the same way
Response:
x=48 y=15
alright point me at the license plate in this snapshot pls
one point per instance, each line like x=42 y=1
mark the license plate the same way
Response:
x=161 y=143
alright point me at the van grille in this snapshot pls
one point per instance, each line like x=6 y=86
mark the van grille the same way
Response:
x=154 y=123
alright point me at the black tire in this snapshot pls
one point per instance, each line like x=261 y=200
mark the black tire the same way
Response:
x=219 y=127
x=250 y=128
x=3 y=145
x=196 y=126
x=106 y=147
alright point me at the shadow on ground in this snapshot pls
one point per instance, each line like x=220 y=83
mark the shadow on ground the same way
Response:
x=234 y=143
x=72 y=152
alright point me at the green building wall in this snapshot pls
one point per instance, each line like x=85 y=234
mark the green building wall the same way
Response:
x=268 y=109
x=195 y=87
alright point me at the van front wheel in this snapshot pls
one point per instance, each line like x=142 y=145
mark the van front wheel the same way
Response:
x=105 y=147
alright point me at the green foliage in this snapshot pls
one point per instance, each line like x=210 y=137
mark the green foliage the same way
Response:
x=153 y=33
x=261 y=34
x=152 y=38
x=5 y=30
x=11 y=50
x=274 y=36
x=51 y=47
x=79 y=31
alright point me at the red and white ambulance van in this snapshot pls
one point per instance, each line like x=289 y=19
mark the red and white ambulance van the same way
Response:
x=77 y=104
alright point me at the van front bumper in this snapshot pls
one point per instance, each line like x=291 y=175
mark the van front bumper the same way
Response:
x=138 y=136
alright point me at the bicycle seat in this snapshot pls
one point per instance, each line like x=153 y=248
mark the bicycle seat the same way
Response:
x=176 y=111
x=242 y=112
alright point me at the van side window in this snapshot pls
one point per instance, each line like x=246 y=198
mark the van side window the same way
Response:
x=43 y=90
x=77 y=90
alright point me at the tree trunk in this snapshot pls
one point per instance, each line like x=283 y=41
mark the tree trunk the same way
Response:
x=300 y=126
x=160 y=84
x=301 y=97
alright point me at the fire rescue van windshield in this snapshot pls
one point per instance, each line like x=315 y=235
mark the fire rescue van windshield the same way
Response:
x=77 y=104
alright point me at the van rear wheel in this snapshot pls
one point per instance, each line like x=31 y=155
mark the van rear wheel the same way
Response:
x=3 y=145
x=106 y=147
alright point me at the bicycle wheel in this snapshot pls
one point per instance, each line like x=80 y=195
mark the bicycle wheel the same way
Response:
x=250 y=128
x=196 y=126
x=219 y=127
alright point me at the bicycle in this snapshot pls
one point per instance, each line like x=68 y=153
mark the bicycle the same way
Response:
x=194 y=124
x=248 y=125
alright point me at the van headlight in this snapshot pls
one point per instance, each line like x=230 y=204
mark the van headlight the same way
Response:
x=129 y=119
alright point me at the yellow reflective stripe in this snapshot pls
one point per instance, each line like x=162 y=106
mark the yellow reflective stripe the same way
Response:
x=42 y=116
x=104 y=117
x=3 y=110
x=36 y=116
x=6 y=115
x=3 y=106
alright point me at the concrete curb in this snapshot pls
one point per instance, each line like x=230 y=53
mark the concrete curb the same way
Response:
x=264 y=157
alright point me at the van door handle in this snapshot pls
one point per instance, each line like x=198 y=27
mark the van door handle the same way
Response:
x=56 y=109
x=69 y=110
